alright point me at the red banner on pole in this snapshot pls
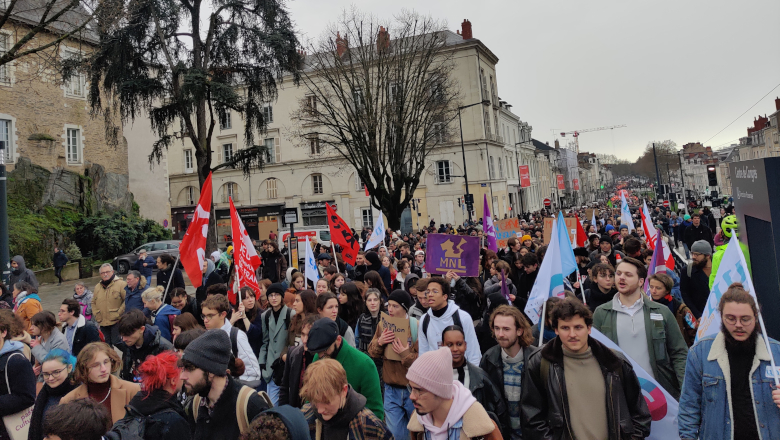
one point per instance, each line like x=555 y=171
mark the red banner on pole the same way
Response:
x=576 y=184
x=341 y=235
x=192 y=249
x=525 y=176
x=561 y=184
x=245 y=258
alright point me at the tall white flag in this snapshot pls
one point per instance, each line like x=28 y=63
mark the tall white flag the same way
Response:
x=378 y=235
x=311 y=272
x=625 y=213
x=593 y=219
x=549 y=282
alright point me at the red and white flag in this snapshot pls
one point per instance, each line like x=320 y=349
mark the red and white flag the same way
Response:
x=651 y=237
x=245 y=258
x=192 y=249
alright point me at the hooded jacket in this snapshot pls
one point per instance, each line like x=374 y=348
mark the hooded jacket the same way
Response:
x=133 y=296
x=153 y=345
x=429 y=341
x=108 y=303
x=466 y=420
x=352 y=422
x=274 y=265
x=221 y=422
x=374 y=263
x=166 y=416
x=22 y=393
x=26 y=306
x=210 y=278
x=85 y=300
x=22 y=273
x=163 y=319
x=467 y=299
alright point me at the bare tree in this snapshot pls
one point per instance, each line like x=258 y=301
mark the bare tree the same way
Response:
x=380 y=97
x=27 y=20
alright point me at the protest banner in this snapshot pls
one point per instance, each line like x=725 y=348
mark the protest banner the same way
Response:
x=457 y=253
x=571 y=228
x=400 y=327
x=505 y=229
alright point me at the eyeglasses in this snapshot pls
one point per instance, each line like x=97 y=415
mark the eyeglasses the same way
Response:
x=744 y=320
x=418 y=391
x=106 y=272
x=208 y=317
x=54 y=373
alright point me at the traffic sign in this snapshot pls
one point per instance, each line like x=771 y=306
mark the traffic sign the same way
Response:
x=666 y=203
x=290 y=216
x=547 y=203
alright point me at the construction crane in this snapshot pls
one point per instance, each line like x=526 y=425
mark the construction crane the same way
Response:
x=576 y=133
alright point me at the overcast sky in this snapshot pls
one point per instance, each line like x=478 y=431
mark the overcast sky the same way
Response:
x=679 y=70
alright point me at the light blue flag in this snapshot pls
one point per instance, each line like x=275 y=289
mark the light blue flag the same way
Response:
x=549 y=282
x=311 y=272
x=568 y=262
x=625 y=213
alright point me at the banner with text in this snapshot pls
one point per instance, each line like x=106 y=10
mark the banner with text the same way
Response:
x=456 y=253
x=525 y=176
x=571 y=228
x=561 y=183
x=505 y=229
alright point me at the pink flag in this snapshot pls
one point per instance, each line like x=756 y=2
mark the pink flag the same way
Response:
x=245 y=256
x=488 y=229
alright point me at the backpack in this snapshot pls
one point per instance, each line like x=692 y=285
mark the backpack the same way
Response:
x=133 y=425
x=427 y=319
x=242 y=402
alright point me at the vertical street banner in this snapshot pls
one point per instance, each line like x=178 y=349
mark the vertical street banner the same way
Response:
x=576 y=184
x=193 y=246
x=245 y=258
x=561 y=182
x=341 y=235
x=457 y=253
x=525 y=176
x=488 y=229
x=663 y=408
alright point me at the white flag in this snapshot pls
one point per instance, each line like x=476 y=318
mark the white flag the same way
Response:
x=549 y=282
x=663 y=408
x=311 y=271
x=593 y=219
x=625 y=213
x=378 y=235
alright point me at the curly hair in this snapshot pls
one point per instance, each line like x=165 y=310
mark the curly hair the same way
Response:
x=527 y=338
x=266 y=426
x=87 y=354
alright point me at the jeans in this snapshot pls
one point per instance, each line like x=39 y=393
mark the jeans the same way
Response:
x=111 y=333
x=398 y=410
x=58 y=273
x=687 y=251
x=273 y=392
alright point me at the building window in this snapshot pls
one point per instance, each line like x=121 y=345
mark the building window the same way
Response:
x=190 y=194
x=73 y=143
x=358 y=182
x=437 y=90
x=439 y=130
x=5 y=44
x=268 y=113
x=314 y=144
x=491 y=167
x=227 y=153
x=316 y=182
x=6 y=131
x=188 y=160
x=482 y=79
x=487 y=124
x=314 y=217
x=359 y=98
x=311 y=105
x=270 y=151
x=443 y=172
x=226 y=123
x=230 y=190
x=368 y=219
x=394 y=92
x=271 y=192
x=500 y=169
x=493 y=90
x=76 y=85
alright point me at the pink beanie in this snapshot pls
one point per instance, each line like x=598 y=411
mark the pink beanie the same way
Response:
x=433 y=372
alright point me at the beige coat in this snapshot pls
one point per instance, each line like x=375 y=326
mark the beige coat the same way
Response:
x=108 y=304
x=476 y=424
x=122 y=392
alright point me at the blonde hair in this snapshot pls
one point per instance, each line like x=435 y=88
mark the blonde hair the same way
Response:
x=153 y=293
x=323 y=381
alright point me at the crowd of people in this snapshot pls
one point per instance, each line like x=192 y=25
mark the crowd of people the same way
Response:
x=300 y=360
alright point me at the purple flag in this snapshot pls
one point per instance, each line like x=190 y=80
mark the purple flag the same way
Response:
x=504 y=287
x=657 y=264
x=488 y=229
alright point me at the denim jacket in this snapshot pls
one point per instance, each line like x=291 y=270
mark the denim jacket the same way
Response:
x=705 y=403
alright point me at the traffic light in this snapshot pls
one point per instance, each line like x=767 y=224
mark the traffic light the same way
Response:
x=661 y=190
x=602 y=186
x=712 y=175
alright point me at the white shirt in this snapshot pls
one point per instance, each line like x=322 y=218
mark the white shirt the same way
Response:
x=245 y=353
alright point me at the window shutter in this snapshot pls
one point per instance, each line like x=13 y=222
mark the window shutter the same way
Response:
x=219 y=155
x=277 y=149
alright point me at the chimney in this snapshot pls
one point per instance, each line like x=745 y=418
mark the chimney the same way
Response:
x=341 y=45
x=382 y=39
x=777 y=103
x=466 y=30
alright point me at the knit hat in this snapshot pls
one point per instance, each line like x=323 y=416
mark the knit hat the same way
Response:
x=401 y=298
x=210 y=352
x=609 y=228
x=687 y=217
x=702 y=247
x=623 y=226
x=606 y=238
x=322 y=335
x=275 y=288
x=432 y=371
x=581 y=252
x=524 y=238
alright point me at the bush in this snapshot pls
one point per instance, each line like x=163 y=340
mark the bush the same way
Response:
x=104 y=237
x=73 y=252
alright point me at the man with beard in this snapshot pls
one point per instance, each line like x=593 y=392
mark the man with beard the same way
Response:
x=695 y=279
x=335 y=410
x=646 y=331
x=359 y=270
x=729 y=390
x=212 y=413
x=504 y=364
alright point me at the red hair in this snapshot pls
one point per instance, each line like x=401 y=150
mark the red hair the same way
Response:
x=156 y=370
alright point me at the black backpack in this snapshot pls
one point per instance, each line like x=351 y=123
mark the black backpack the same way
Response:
x=427 y=319
x=133 y=426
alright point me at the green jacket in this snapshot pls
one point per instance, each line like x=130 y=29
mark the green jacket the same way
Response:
x=719 y=251
x=362 y=375
x=668 y=352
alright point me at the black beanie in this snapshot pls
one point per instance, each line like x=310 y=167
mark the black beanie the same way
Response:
x=210 y=352
x=275 y=288
x=401 y=298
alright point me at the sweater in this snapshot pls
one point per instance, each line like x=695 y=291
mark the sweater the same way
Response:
x=585 y=387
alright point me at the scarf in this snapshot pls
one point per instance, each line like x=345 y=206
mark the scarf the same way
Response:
x=338 y=426
x=105 y=284
x=41 y=403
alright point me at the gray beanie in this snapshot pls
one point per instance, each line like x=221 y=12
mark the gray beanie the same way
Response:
x=702 y=247
x=210 y=352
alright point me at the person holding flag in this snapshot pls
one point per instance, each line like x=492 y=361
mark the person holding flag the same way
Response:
x=645 y=330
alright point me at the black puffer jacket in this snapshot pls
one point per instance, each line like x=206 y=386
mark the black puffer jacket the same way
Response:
x=289 y=390
x=488 y=394
x=467 y=299
x=167 y=418
x=545 y=410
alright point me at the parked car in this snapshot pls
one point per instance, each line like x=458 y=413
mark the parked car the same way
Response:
x=123 y=263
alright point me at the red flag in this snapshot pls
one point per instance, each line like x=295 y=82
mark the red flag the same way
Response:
x=245 y=258
x=193 y=246
x=341 y=235
x=582 y=237
x=366 y=188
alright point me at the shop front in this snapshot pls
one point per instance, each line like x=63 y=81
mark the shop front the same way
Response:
x=181 y=220
x=259 y=221
x=315 y=213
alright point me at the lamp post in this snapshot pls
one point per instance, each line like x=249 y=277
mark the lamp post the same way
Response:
x=463 y=152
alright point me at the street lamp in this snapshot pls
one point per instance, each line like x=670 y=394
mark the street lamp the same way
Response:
x=463 y=152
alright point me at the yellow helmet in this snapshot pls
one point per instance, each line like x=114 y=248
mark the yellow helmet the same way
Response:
x=730 y=225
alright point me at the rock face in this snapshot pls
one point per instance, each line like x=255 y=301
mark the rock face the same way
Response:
x=98 y=191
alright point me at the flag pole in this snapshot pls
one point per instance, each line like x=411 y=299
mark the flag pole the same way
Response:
x=582 y=289
x=769 y=349
x=541 y=323
x=170 y=278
